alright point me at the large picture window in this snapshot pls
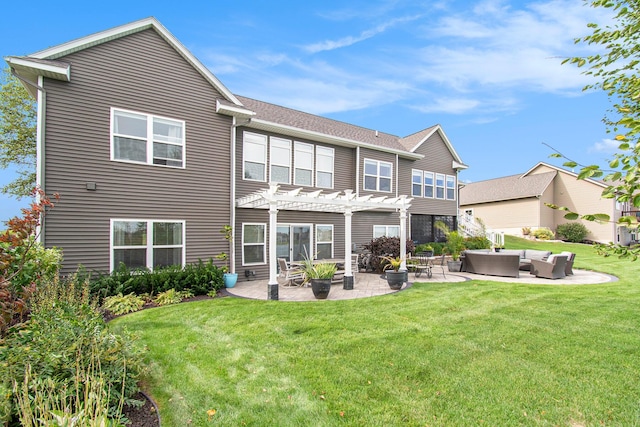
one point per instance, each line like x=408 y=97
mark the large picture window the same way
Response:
x=280 y=155
x=144 y=138
x=253 y=244
x=377 y=175
x=324 y=167
x=147 y=244
x=303 y=163
x=254 y=157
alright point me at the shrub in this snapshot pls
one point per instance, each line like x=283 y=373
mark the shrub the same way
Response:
x=64 y=335
x=123 y=304
x=171 y=297
x=385 y=246
x=200 y=278
x=478 y=242
x=543 y=234
x=574 y=232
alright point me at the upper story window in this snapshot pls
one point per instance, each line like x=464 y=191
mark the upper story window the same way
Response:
x=147 y=244
x=324 y=167
x=303 y=164
x=428 y=184
x=377 y=175
x=144 y=138
x=254 y=157
x=451 y=187
x=280 y=158
x=416 y=183
x=439 y=186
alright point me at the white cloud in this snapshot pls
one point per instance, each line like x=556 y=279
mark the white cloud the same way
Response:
x=608 y=146
x=364 y=35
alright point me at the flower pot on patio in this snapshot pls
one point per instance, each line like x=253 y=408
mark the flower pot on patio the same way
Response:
x=321 y=288
x=230 y=279
x=454 y=266
x=396 y=279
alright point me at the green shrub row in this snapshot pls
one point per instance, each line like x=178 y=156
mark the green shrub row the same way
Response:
x=64 y=346
x=199 y=278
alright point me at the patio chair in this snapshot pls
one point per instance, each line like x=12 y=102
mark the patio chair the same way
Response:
x=552 y=268
x=568 y=269
x=289 y=276
x=355 y=267
x=441 y=263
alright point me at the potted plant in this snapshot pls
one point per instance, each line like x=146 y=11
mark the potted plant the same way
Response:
x=395 y=278
x=320 y=276
x=454 y=246
x=229 y=279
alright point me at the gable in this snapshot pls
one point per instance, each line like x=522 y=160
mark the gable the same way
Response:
x=416 y=141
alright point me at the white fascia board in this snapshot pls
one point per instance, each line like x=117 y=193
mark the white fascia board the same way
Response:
x=233 y=110
x=456 y=157
x=49 y=70
x=321 y=137
x=131 y=28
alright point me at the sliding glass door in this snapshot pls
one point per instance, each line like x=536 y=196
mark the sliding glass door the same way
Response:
x=294 y=241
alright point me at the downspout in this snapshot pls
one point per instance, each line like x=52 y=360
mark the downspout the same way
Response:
x=232 y=255
x=397 y=167
x=40 y=120
x=358 y=171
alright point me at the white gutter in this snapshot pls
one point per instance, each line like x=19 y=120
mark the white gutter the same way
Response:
x=232 y=254
x=40 y=119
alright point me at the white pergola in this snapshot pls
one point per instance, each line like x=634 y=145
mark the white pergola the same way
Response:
x=346 y=202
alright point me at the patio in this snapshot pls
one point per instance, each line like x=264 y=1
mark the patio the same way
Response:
x=370 y=285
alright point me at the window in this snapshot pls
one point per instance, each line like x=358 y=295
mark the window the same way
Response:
x=439 y=186
x=324 y=241
x=254 y=157
x=143 y=138
x=377 y=175
x=416 y=183
x=451 y=187
x=324 y=167
x=280 y=156
x=303 y=163
x=428 y=184
x=386 y=230
x=253 y=244
x=147 y=244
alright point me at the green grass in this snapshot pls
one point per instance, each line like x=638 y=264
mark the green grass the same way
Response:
x=456 y=354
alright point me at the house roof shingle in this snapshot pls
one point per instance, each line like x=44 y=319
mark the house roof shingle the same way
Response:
x=505 y=188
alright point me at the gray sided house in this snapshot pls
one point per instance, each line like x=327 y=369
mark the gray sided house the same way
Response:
x=152 y=156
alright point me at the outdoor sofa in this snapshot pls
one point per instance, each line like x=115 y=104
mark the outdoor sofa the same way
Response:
x=491 y=263
x=526 y=255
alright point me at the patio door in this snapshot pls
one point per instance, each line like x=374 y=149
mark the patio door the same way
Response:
x=293 y=241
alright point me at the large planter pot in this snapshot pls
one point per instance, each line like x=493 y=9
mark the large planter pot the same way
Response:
x=230 y=279
x=454 y=266
x=396 y=279
x=321 y=288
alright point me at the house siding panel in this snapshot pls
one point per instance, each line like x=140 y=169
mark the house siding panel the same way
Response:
x=521 y=213
x=139 y=73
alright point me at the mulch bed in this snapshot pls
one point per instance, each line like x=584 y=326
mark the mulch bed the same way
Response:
x=143 y=416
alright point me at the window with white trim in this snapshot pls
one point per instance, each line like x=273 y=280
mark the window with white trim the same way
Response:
x=324 y=241
x=254 y=250
x=303 y=164
x=254 y=157
x=280 y=159
x=386 y=230
x=451 y=187
x=324 y=167
x=428 y=184
x=147 y=243
x=377 y=175
x=416 y=183
x=439 y=186
x=144 y=138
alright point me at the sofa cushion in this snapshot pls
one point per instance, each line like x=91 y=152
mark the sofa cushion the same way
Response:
x=518 y=252
x=530 y=254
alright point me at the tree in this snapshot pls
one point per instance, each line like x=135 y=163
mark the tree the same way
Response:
x=617 y=71
x=17 y=135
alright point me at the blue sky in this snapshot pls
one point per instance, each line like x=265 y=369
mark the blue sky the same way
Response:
x=489 y=72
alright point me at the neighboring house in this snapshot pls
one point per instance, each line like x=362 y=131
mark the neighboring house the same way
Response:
x=152 y=155
x=512 y=203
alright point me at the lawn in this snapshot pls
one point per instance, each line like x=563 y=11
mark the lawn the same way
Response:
x=456 y=354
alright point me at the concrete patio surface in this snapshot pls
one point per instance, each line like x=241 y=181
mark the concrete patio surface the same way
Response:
x=370 y=284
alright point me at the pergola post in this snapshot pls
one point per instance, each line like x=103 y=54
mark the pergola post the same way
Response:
x=273 y=261
x=403 y=236
x=347 y=281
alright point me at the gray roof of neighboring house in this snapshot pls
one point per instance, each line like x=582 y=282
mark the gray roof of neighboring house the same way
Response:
x=505 y=188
